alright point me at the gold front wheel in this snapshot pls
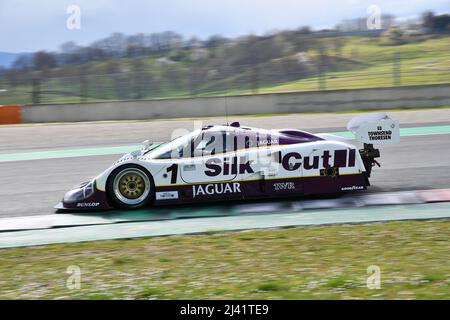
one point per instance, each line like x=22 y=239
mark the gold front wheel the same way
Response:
x=131 y=186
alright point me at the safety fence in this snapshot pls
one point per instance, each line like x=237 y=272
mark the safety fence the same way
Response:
x=171 y=80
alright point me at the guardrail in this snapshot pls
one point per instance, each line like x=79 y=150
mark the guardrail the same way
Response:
x=314 y=101
x=421 y=96
x=168 y=80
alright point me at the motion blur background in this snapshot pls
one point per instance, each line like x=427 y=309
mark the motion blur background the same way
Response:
x=76 y=52
x=69 y=61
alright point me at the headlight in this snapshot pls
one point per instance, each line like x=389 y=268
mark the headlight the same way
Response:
x=80 y=193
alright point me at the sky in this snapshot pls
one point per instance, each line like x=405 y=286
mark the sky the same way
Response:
x=31 y=25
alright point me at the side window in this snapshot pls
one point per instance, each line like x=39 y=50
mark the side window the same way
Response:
x=209 y=143
x=246 y=139
x=205 y=144
x=230 y=141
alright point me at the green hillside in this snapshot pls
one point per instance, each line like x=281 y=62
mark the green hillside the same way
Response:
x=359 y=62
x=420 y=63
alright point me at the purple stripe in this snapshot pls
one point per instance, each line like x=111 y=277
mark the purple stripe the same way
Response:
x=269 y=188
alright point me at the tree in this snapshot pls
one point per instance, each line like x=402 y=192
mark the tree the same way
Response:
x=70 y=52
x=396 y=35
x=338 y=43
x=92 y=54
x=436 y=23
x=304 y=30
x=44 y=60
x=115 y=45
x=22 y=63
x=215 y=41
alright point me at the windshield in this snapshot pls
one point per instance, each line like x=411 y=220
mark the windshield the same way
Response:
x=210 y=142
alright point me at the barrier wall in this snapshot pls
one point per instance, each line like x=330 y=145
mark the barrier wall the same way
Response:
x=10 y=114
x=315 y=101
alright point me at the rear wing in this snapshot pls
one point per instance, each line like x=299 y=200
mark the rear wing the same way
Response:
x=375 y=128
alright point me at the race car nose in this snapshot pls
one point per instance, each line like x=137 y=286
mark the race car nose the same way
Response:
x=80 y=193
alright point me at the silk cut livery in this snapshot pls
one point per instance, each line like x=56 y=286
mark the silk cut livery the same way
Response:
x=236 y=162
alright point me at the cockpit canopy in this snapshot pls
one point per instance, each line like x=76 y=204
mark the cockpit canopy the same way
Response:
x=212 y=140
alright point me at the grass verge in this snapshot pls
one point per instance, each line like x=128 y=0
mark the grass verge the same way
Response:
x=326 y=262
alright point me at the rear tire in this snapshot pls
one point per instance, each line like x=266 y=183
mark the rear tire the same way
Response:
x=130 y=187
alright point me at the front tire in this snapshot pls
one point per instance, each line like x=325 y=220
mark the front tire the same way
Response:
x=130 y=187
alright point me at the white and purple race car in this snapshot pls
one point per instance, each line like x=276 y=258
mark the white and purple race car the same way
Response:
x=232 y=162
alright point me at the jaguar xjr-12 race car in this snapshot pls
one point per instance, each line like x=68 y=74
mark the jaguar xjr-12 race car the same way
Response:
x=231 y=162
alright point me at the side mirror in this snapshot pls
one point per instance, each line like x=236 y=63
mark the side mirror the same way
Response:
x=146 y=144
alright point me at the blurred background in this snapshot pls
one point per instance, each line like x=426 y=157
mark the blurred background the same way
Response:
x=132 y=58
x=59 y=58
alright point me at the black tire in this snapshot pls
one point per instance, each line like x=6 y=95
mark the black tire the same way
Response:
x=121 y=195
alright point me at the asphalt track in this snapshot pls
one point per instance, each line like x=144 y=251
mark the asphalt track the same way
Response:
x=33 y=187
x=99 y=228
